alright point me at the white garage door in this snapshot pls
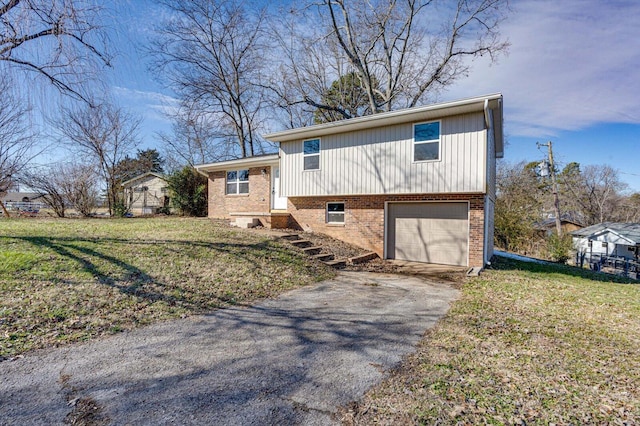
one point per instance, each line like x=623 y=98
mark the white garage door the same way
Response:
x=428 y=232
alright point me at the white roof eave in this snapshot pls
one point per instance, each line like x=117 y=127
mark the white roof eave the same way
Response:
x=264 y=160
x=408 y=115
x=142 y=176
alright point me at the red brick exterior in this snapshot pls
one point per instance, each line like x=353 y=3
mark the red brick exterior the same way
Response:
x=258 y=200
x=364 y=219
x=257 y=203
x=279 y=221
x=364 y=214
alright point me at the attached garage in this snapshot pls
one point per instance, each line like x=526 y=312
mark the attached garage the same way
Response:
x=431 y=232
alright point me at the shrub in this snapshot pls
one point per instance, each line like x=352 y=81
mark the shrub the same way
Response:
x=558 y=248
x=120 y=209
x=188 y=190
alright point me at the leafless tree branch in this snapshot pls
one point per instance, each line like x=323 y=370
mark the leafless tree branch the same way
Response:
x=58 y=39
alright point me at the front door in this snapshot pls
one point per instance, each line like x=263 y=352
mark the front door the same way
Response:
x=277 y=202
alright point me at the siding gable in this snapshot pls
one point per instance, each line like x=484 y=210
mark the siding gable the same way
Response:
x=380 y=161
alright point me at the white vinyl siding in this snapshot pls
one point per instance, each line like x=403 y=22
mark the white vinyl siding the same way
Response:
x=491 y=162
x=380 y=161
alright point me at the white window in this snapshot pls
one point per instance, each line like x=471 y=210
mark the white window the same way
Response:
x=312 y=154
x=426 y=141
x=335 y=212
x=238 y=182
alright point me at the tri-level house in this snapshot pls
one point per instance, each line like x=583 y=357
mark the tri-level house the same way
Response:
x=415 y=184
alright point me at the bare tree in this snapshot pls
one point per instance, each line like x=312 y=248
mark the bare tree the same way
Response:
x=211 y=52
x=46 y=182
x=17 y=140
x=194 y=140
x=58 y=39
x=104 y=134
x=630 y=208
x=79 y=185
x=65 y=185
x=519 y=204
x=596 y=189
x=402 y=51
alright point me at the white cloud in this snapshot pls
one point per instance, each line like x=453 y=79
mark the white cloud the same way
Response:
x=153 y=105
x=572 y=64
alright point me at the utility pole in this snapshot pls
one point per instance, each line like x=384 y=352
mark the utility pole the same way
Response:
x=554 y=186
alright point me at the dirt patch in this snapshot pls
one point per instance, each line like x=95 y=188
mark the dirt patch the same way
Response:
x=85 y=411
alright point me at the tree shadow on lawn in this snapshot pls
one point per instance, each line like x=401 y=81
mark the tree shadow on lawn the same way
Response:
x=134 y=281
x=262 y=365
x=506 y=264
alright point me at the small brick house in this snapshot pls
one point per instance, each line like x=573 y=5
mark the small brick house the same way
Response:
x=415 y=184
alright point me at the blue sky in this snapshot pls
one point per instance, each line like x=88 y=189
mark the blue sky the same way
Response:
x=572 y=76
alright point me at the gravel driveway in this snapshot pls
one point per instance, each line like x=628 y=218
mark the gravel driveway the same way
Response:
x=292 y=360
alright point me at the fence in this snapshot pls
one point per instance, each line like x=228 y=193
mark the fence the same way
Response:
x=24 y=206
x=614 y=265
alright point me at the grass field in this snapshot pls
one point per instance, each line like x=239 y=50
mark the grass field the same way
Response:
x=70 y=280
x=525 y=344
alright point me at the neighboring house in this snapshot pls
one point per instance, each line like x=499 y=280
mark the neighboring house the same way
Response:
x=415 y=184
x=146 y=193
x=609 y=239
x=548 y=227
x=23 y=200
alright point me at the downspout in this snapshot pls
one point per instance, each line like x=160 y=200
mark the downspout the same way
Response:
x=486 y=226
x=205 y=174
x=486 y=114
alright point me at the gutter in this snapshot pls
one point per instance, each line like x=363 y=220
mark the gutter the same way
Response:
x=486 y=114
x=257 y=161
x=401 y=116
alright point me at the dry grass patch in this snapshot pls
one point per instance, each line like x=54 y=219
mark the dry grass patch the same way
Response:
x=525 y=344
x=70 y=280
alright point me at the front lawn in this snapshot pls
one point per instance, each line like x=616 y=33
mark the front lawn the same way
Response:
x=525 y=344
x=70 y=280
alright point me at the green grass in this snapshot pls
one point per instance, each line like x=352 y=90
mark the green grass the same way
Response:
x=525 y=344
x=71 y=280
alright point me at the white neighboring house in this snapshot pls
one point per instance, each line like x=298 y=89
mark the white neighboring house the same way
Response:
x=147 y=193
x=610 y=239
x=15 y=200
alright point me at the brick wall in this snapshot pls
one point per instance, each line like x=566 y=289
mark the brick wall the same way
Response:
x=258 y=200
x=364 y=219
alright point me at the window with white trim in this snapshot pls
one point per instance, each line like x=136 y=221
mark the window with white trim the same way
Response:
x=335 y=212
x=426 y=141
x=311 y=154
x=238 y=182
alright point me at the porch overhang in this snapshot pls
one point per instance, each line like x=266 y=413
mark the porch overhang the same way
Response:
x=241 y=163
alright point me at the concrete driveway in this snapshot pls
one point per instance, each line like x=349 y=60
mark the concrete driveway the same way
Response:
x=291 y=360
